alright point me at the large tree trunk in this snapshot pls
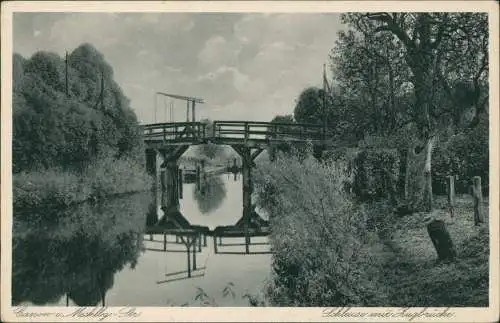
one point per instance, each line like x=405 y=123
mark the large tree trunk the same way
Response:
x=418 y=179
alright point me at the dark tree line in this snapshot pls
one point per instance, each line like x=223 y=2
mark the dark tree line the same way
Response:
x=67 y=125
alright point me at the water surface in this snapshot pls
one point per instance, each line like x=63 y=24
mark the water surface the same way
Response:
x=99 y=255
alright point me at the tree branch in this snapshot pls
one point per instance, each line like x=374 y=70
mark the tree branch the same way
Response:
x=390 y=25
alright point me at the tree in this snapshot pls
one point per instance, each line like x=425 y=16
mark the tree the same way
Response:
x=55 y=129
x=310 y=108
x=441 y=50
x=369 y=75
x=209 y=150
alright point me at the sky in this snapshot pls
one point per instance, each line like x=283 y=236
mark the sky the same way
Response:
x=245 y=66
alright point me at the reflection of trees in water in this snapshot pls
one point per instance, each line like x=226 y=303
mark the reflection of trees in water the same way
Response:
x=210 y=195
x=80 y=255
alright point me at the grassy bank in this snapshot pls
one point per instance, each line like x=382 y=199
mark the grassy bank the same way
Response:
x=330 y=250
x=53 y=188
x=416 y=279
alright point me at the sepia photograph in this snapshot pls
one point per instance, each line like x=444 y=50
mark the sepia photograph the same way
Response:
x=249 y=158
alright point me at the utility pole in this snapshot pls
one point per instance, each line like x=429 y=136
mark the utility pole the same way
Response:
x=325 y=86
x=66 y=73
x=102 y=90
x=156 y=106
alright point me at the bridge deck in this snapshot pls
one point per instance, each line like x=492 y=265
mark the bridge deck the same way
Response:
x=232 y=132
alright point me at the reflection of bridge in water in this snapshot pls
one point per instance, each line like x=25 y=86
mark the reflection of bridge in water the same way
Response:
x=248 y=139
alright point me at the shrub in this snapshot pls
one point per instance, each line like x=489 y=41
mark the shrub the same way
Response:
x=317 y=231
x=40 y=193
x=45 y=190
x=464 y=155
x=376 y=173
x=109 y=175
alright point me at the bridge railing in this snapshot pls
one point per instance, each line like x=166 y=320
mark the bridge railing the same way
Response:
x=174 y=131
x=267 y=131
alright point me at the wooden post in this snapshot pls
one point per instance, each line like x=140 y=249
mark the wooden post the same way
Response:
x=180 y=180
x=188 y=247
x=478 y=200
x=176 y=239
x=451 y=194
x=150 y=237
x=164 y=241
x=198 y=174
x=220 y=241
x=67 y=300
x=247 y=163
x=247 y=194
x=215 y=243
x=192 y=111
x=163 y=185
x=172 y=185
x=441 y=240
x=199 y=242
x=193 y=242
x=204 y=240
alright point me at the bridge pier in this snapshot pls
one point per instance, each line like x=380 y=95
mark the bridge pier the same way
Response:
x=170 y=179
x=247 y=157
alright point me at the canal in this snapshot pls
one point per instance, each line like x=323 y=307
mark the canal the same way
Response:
x=99 y=255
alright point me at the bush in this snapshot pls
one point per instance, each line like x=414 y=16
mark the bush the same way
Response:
x=376 y=174
x=51 y=189
x=108 y=176
x=317 y=232
x=38 y=192
x=464 y=155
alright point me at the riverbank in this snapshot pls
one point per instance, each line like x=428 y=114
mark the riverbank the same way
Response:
x=330 y=250
x=56 y=189
x=411 y=273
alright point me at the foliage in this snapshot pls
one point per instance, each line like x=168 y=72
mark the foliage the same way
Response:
x=79 y=255
x=411 y=78
x=464 y=156
x=55 y=129
x=211 y=193
x=210 y=150
x=414 y=277
x=38 y=191
x=282 y=146
x=376 y=174
x=317 y=232
x=310 y=108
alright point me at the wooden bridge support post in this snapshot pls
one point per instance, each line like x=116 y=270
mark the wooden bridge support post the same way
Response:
x=247 y=157
x=180 y=182
x=247 y=197
x=188 y=257
x=193 y=242
x=170 y=187
x=163 y=188
x=198 y=174
x=215 y=243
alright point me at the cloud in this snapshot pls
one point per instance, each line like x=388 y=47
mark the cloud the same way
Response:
x=246 y=66
x=217 y=52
